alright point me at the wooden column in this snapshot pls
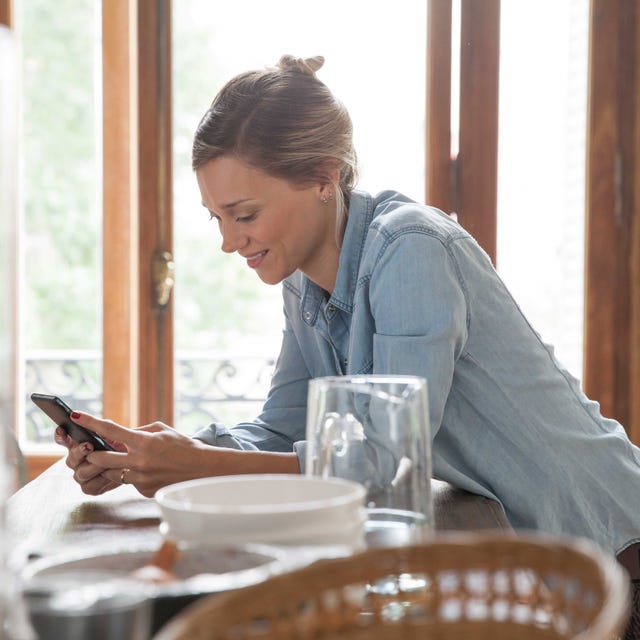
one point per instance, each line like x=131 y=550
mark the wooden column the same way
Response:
x=138 y=337
x=440 y=187
x=612 y=251
x=468 y=183
x=477 y=171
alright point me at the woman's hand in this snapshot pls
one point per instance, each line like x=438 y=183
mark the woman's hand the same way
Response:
x=148 y=457
x=87 y=475
x=156 y=455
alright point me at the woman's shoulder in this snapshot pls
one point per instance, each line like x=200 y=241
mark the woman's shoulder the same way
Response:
x=395 y=214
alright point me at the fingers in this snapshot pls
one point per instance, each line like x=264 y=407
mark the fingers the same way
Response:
x=105 y=428
x=120 y=476
x=88 y=475
x=77 y=452
x=61 y=437
x=97 y=485
x=140 y=458
x=94 y=475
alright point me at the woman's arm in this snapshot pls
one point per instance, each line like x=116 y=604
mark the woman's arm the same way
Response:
x=282 y=420
x=160 y=455
x=157 y=455
x=420 y=310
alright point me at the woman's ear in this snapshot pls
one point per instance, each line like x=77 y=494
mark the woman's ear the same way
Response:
x=330 y=179
x=331 y=169
x=326 y=192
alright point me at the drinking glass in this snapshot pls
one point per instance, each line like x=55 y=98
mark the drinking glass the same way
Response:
x=375 y=430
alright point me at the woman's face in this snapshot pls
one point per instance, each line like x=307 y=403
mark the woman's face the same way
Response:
x=276 y=226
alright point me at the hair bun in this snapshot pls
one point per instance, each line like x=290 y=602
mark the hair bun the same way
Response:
x=304 y=65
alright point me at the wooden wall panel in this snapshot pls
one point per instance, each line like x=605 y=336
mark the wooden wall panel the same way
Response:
x=612 y=251
x=634 y=280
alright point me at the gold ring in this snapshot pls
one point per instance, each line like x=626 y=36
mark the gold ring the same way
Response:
x=122 y=474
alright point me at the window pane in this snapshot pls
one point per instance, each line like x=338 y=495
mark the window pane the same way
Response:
x=61 y=177
x=375 y=63
x=542 y=127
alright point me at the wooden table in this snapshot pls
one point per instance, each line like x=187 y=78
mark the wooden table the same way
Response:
x=51 y=512
x=50 y=515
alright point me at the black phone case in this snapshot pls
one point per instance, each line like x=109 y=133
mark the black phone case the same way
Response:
x=59 y=412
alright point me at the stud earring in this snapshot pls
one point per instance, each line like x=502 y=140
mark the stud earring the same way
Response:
x=327 y=198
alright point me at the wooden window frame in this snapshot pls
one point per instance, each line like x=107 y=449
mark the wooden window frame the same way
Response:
x=137 y=213
x=612 y=238
x=137 y=209
x=6 y=13
x=467 y=184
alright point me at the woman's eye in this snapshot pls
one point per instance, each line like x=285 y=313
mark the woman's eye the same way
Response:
x=247 y=218
x=213 y=216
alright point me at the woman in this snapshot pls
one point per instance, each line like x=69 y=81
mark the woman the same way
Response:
x=379 y=285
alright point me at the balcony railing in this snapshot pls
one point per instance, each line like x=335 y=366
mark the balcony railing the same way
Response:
x=210 y=387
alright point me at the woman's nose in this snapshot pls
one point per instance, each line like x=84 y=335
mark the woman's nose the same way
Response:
x=232 y=237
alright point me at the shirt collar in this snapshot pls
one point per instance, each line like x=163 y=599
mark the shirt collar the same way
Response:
x=358 y=221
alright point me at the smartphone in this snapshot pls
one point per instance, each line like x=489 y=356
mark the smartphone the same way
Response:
x=60 y=413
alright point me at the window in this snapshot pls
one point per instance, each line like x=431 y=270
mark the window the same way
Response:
x=227 y=322
x=541 y=166
x=60 y=207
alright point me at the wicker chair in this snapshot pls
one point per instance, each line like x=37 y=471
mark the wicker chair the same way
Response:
x=458 y=586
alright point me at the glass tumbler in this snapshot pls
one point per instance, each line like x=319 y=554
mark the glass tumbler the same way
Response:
x=375 y=430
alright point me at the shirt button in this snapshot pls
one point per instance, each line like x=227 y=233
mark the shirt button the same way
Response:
x=331 y=308
x=307 y=315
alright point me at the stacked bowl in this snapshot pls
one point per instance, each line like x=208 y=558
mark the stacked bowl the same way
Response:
x=278 y=509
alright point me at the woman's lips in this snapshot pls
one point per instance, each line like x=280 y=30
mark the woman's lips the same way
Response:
x=256 y=259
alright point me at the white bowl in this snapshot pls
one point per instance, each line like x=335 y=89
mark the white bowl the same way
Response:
x=267 y=508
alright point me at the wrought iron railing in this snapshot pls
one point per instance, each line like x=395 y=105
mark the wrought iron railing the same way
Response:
x=209 y=387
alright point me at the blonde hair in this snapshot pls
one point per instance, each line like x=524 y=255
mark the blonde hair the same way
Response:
x=285 y=122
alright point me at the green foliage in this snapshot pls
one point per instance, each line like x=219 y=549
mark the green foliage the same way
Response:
x=217 y=297
x=61 y=172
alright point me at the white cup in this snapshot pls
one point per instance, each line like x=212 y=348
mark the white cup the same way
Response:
x=375 y=430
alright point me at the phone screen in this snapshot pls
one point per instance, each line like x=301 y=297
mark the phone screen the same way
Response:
x=60 y=413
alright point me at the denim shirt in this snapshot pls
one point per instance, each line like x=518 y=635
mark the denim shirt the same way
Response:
x=416 y=295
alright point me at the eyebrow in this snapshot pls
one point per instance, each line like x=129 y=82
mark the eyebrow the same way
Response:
x=231 y=205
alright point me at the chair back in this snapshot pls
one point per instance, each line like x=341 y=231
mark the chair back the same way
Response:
x=494 y=586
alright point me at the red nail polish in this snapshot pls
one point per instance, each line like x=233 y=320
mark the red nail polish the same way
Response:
x=75 y=415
